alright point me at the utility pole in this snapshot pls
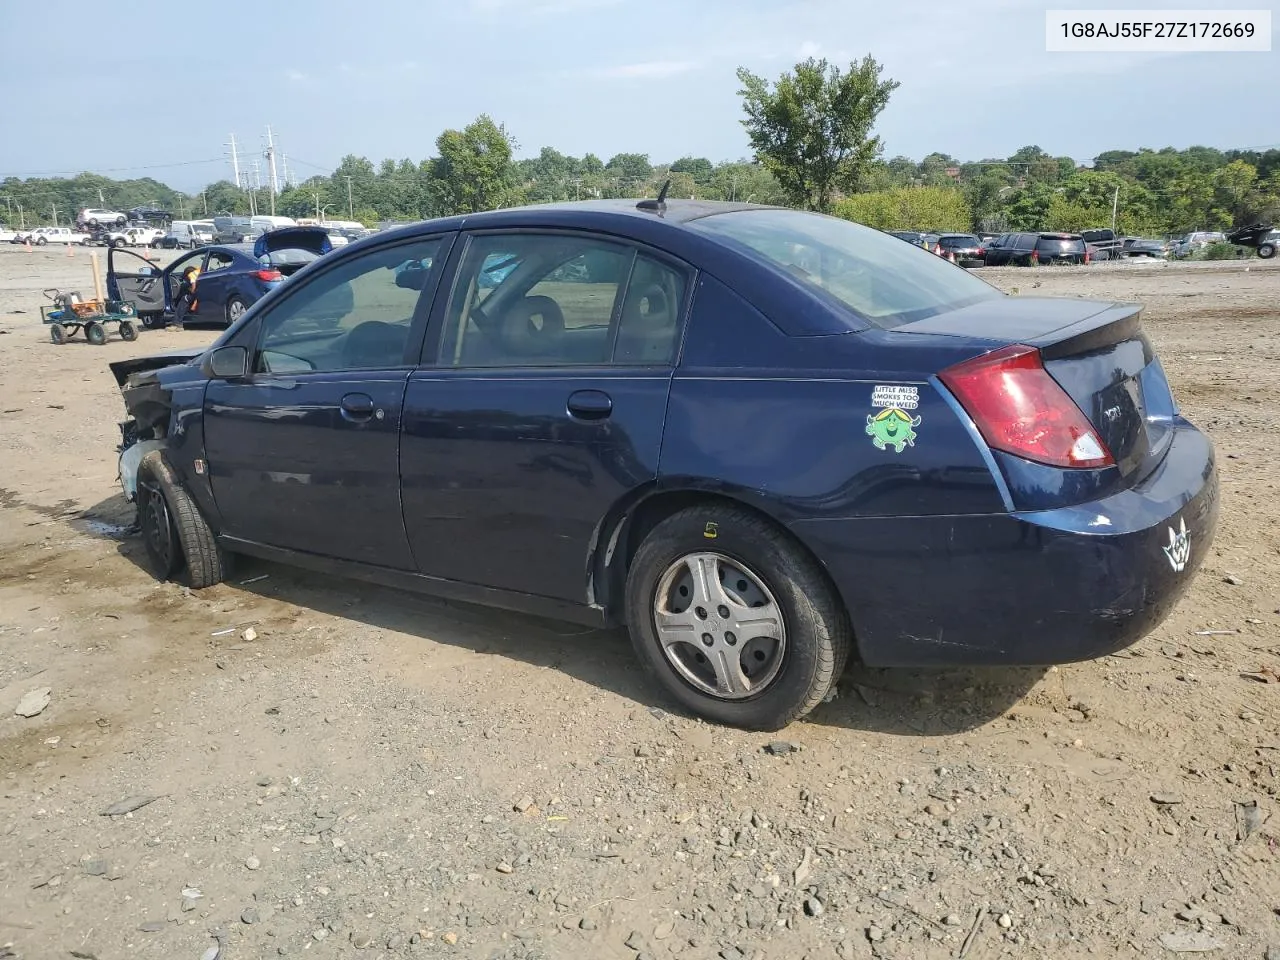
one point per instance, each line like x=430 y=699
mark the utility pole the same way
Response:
x=271 y=161
x=101 y=199
x=55 y=213
x=1115 y=208
x=204 y=203
x=317 y=206
x=351 y=213
x=253 y=193
x=235 y=161
x=284 y=162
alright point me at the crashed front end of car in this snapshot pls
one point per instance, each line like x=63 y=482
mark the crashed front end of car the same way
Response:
x=146 y=383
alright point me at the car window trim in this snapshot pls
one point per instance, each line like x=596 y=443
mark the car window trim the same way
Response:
x=429 y=355
x=417 y=325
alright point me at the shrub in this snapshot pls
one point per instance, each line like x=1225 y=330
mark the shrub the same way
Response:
x=1224 y=251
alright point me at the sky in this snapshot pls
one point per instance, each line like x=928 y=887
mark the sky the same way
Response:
x=383 y=78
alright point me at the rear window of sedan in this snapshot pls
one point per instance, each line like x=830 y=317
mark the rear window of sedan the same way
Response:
x=1060 y=244
x=881 y=279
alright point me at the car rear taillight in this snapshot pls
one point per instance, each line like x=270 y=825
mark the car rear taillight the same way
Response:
x=1020 y=409
x=268 y=275
x=982 y=251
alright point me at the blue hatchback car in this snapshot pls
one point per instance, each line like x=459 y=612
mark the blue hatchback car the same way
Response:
x=765 y=440
x=232 y=276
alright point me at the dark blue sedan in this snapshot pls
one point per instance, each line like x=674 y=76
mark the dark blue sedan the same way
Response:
x=232 y=277
x=765 y=440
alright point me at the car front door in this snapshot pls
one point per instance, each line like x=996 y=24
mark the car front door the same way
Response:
x=553 y=361
x=133 y=278
x=303 y=452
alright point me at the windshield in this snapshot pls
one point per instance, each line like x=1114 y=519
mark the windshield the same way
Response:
x=883 y=280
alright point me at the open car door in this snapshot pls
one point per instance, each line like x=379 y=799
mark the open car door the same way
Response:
x=133 y=278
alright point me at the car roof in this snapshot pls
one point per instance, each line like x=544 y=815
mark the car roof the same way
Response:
x=771 y=290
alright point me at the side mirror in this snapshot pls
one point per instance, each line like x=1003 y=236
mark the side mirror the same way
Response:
x=226 y=363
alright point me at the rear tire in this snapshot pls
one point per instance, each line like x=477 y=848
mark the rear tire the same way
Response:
x=173 y=530
x=235 y=310
x=128 y=331
x=793 y=599
x=57 y=333
x=95 y=333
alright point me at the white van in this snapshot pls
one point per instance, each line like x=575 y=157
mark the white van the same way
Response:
x=265 y=223
x=188 y=233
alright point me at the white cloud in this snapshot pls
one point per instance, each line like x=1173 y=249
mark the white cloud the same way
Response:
x=535 y=8
x=645 y=70
x=808 y=49
x=295 y=76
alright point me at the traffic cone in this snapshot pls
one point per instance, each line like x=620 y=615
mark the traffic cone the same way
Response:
x=27 y=244
x=69 y=251
x=951 y=256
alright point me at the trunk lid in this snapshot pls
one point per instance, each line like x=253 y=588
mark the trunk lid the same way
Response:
x=1096 y=351
x=314 y=240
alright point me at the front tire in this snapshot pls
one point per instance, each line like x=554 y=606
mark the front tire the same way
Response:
x=1266 y=250
x=734 y=619
x=57 y=333
x=128 y=331
x=95 y=333
x=174 y=532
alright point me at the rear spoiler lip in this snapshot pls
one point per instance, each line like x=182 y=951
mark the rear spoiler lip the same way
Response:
x=1121 y=321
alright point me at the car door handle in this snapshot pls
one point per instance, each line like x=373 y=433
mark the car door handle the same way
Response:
x=357 y=406
x=590 y=404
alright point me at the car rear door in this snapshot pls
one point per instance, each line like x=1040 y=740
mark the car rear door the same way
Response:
x=545 y=406
x=133 y=278
x=303 y=452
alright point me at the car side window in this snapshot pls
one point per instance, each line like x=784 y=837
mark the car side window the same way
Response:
x=218 y=261
x=355 y=316
x=556 y=300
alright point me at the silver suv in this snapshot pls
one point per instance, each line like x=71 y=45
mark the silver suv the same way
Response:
x=90 y=217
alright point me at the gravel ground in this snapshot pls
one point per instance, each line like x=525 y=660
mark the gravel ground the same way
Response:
x=322 y=767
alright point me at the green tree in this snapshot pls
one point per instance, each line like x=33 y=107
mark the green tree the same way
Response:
x=699 y=168
x=474 y=170
x=812 y=129
x=908 y=208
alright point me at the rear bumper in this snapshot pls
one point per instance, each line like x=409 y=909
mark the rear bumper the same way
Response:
x=1041 y=587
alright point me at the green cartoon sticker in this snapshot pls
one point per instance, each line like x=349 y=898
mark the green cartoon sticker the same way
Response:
x=892 y=428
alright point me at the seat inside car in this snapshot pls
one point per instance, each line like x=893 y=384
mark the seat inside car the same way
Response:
x=647 y=326
x=375 y=343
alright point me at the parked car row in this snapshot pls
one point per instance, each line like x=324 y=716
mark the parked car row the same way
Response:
x=1029 y=248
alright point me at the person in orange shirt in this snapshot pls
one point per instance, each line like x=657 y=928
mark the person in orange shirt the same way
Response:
x=185 y=302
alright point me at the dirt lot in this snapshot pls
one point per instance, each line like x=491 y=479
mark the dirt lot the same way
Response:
x=349 y=779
